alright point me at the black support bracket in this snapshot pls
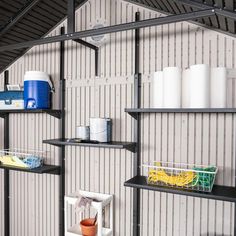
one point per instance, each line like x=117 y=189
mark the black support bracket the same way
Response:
x=93 y=47
x=71 y=31
x=56 y=114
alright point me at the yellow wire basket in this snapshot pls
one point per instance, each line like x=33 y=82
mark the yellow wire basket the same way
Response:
x=179 y=175
x=20 y=158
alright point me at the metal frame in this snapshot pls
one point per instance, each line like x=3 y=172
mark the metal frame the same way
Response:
x=76 y=36
x=22 y=12
x=113 y=29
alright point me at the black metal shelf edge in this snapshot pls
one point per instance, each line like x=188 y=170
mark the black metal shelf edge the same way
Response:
x=45 y=169
x=222 y=193
x=118 y=145
x=55 y=113
x=133 y=112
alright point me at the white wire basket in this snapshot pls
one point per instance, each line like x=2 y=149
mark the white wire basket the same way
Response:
x=20 y=158
x=179 y=175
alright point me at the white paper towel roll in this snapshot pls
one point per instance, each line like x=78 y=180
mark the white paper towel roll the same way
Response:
x=185 y=88
x=218 y=87
x=172 y=87
x=157 y=90
x=199 y=86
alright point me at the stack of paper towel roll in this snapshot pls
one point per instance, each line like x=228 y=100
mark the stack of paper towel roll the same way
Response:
x=166 y=88
x=200 y=87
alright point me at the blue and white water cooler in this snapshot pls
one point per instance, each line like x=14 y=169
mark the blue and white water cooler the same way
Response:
x=37 y=90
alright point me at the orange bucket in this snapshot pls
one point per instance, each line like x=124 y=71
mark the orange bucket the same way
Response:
x=88 y=228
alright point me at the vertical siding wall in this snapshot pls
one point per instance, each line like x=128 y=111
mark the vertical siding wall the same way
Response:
x=193 y=138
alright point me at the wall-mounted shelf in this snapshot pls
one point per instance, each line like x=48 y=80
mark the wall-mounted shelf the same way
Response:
x=45 y=169
x=118 y=145
x=134 y=112
x=222 y=193
x=54 y=113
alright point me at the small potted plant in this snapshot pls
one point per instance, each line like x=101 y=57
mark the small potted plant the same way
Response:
x=88 y=226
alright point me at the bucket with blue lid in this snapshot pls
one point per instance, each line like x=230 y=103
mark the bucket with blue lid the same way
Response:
x=37 y=90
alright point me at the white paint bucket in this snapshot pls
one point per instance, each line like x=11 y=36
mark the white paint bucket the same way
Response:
x=83 y=132
x=100 y=129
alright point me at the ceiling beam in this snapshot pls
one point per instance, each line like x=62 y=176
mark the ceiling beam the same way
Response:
x=190 y=3
x=202 y=6
x=112 y=29
x=21 y=13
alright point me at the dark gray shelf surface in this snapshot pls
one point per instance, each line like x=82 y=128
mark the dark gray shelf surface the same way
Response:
x=222 y=193
x=45 y=169
x=133 y=112
x=55 y=113
x=118 y=145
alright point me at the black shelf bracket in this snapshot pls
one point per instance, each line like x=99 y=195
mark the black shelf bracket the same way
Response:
x=3 y=115
x=134 y=115
x=131 y=148
x=56 y=114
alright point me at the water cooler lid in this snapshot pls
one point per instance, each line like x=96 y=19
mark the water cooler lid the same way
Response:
x=37 y=76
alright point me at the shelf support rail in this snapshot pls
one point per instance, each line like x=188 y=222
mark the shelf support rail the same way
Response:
x=137 y=134
x=62 y=135
x=6 y=172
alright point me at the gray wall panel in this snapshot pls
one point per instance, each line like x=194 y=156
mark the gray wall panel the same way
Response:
x=193 y=138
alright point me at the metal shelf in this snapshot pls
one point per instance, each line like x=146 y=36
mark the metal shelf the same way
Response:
x=118 y=145
x=222 y=193
x=45 y=169
x=134 y=112
x=54 y=113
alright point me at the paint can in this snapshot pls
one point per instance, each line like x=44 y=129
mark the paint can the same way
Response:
x=83 y=132
x=101 y=129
